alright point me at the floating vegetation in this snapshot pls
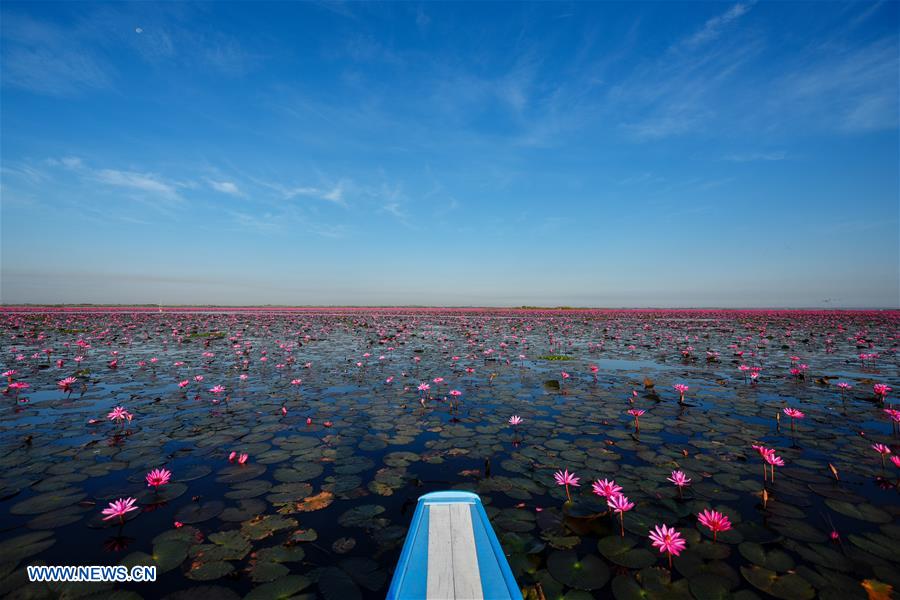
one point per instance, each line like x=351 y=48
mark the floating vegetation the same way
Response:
x=278 y=453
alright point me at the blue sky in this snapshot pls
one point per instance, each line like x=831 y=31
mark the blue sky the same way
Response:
x=607 y=154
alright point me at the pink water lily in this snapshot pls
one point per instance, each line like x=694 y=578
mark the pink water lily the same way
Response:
x=636 y=413
x=619 y=503
x=119 y=415
x=793 y=413
x=715 y=521
x=882 y=450
x=565 y=478
x=158 y=477
x=119 y=508
x=240 y=458
x=680 y=480
x=67 y=383
x=769 y=458
x=667 y=539
x=606 y=488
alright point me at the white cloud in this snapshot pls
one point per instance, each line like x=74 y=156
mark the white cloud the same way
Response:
x=144 y=182
x=394 y=209
x=71 y=162
x=43 y=58
x=226 y=187
x=333 y=194
x=714 y=26
x=757 y=156
x=264 y=223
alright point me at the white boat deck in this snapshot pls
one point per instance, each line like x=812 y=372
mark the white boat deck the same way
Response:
x=452 y=553
x=452 y=559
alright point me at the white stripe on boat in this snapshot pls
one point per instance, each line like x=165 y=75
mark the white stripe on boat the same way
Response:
x=452 y=560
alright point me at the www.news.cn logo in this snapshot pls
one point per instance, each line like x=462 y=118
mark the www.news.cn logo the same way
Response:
x=91 y=573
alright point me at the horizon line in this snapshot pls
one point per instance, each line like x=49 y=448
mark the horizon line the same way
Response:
x=154 y=305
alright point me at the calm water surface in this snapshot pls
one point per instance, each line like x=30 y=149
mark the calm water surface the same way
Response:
x=320 y=509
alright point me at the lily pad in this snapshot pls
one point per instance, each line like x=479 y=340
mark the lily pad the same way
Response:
x=317 y=502
x=264 y=526
x=197 y=512
x=362 y=516
x=207 y=571
x=788 y=587
x=862 y=512
x=622 y=551
x=773 y=560
x=43 y=503
x=587 y=573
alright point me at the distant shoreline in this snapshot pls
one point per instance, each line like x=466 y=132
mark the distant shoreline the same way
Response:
x=417 y=308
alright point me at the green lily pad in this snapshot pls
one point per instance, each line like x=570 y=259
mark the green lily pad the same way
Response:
x=237 y=473
x=168 y=555
x=877 y=544
x=43 y=503
x=58 y=518
x=709 y=586
x=280 y=589
x=304 y=535
x=281 y=554
x=207 y=571
x=365 y=572
x=165 y=493
x=197 y=512
x=317 y=502
x=264 y=526
x=362 y=516
x=788 y=587
x=336 y=584
x=773 y=560
x=862 y=512
x=23 y=546
x=248 y=489
x=587 y=573
x=263 y=571
x=246 y=509
x=300 y=472
x=622 y=552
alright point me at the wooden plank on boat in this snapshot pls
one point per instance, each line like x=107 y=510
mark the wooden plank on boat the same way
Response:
x=466 y=576
x=452 y=553
x=440 y=552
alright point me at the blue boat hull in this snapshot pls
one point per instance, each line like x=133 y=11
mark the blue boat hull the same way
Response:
x=444 y=561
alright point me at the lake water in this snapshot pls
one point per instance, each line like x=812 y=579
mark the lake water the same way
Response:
x=321 y=507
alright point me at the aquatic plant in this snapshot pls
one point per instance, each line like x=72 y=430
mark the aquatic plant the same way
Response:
x=883 y=450
x=680 y=480
x=793 y=413
x=565 y=478
x=636 y=413
x=606 y=488
x=619 y=504
x=667 y=540
x=714 y=521
x=119 y=508
x=158 y=477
